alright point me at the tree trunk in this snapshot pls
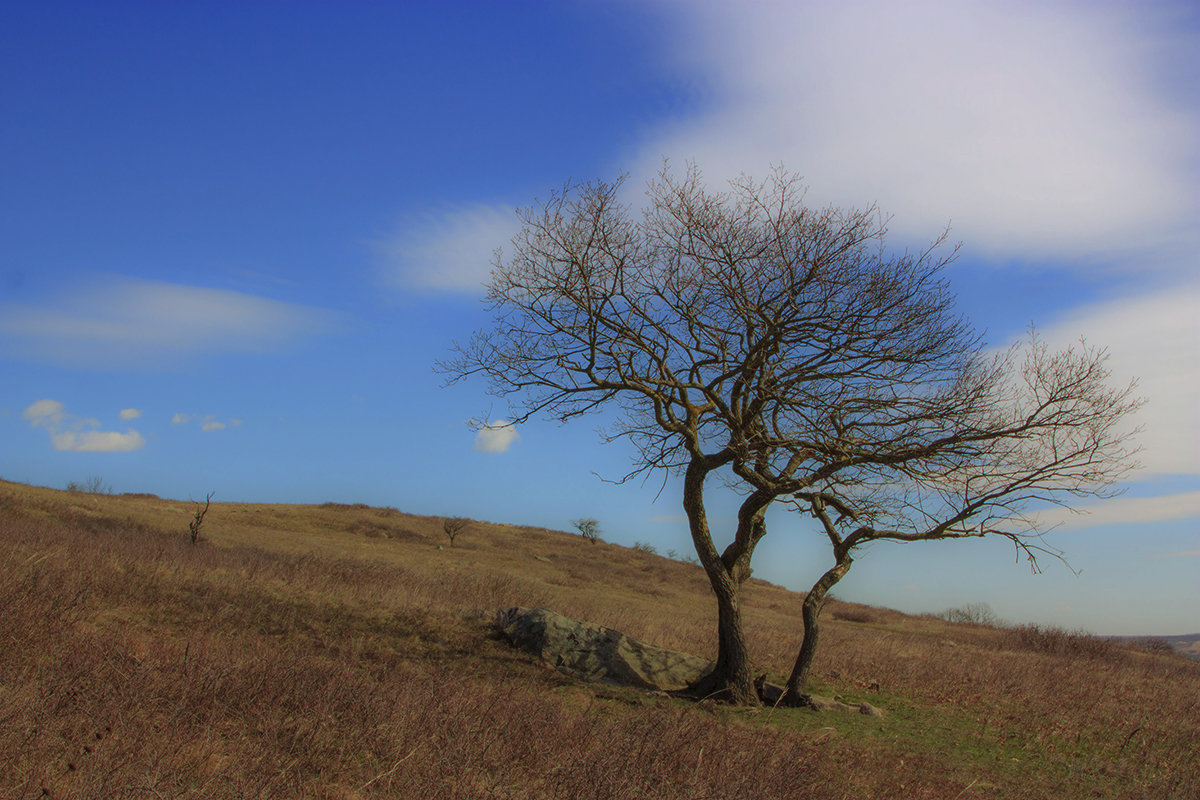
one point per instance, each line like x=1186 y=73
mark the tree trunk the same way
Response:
x=795 y=695
x=731 y=679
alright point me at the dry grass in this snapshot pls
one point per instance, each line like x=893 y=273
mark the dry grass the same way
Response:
x=344 y=652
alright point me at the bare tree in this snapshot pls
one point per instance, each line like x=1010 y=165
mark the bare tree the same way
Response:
x=453 y=526
x=588 y=528
x=198 y=519
x=785 y=351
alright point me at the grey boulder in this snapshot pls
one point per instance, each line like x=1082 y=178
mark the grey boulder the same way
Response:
x=596 y=653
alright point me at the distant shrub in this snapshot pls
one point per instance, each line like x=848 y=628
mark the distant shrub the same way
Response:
x=93 y=485
x=453 y=526
x=1058 y=641
x=198 y=519
x=852 y=615
x=972 y=614
x=1152 y=644
x=645 y=547
x=588 y=528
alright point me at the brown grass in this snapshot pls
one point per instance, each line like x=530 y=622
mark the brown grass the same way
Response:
x=344 y=652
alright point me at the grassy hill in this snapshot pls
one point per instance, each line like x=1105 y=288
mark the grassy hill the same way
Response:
x=334 y=651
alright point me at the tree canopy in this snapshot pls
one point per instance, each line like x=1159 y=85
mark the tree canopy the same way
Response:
x=787 y=350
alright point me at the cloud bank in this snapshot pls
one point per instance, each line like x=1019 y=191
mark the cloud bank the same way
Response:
x=77 y=434
x=1039 y=128
x=125 y=322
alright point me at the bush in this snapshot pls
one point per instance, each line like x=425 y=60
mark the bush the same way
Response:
x=972 y=614
x=588 y=528
x=645 y=547
x=93 y=485
x=852 y=615
x=1057 y=641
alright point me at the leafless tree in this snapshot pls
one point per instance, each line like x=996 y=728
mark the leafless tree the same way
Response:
x=588 y=528
x=786 y=352
x=198 y=519
x=453 y=526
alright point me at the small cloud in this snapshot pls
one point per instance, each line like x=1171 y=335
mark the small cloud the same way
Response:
x=673 y=519
x=496 y=437
x=68 y=432
x=43 y=413
x=208 y=422
x=130 y=413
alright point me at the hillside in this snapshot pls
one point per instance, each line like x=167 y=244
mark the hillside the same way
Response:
x=334 y=651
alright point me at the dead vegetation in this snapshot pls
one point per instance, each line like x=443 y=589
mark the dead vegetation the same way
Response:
x=293 y=654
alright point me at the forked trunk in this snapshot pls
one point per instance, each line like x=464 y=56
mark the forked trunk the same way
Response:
x=796 y=693
x=730 y=679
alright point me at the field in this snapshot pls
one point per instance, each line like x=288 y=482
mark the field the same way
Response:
x=334 y=651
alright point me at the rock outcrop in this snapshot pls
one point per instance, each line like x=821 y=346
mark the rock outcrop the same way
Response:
x=596 y=653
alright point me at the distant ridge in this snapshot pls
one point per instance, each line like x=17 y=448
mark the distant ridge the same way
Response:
x=1187 y=644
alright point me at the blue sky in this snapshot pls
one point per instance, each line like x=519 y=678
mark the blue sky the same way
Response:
x=234 y=238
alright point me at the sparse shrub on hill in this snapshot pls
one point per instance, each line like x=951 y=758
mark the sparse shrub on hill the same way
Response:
x=645 y=547
x=1052 y=640
x=1153 y=644
x=453 y=526
x=972 y=614
x=198 y=519
x=588 y=528
x=852 y=615
x=93 y=485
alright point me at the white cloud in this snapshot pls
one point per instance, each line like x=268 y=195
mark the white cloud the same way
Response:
x=1156 y=339
x=449 y=250
x=1039 y=128
x=125 y=322
x=98 y=441
x=496 y=437
x=44 y=413
x=1124 y=510
x=130 y=413
x=69 y=431
x=208 y=423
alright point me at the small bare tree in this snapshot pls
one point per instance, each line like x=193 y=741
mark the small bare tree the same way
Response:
x=785 y=352
x=198 y=518
x=588 y=528
x=453 y=526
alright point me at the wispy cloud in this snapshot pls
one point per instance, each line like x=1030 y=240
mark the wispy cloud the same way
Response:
x=74 y=433
x=125 y=322
x=208 y=422
x=448 y=250
x=130 y=413
x=496 y=437
x=1122 y=510
x=1181 y=554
